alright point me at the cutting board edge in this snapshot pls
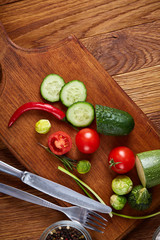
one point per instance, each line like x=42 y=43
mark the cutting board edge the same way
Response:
x=153 y=126
x=8 y=42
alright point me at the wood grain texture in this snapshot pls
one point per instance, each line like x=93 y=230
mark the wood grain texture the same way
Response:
x=69 y=59
x=123 y=36
x=82 y=18
x=128 y=49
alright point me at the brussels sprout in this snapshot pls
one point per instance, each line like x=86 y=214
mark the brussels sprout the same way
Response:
x=118 y=202
x=122 y=185
x=139 y=198
x=42 y=126
x=83 y=166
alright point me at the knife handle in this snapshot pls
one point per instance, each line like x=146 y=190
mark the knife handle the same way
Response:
x=4 y=167
x=17 y=193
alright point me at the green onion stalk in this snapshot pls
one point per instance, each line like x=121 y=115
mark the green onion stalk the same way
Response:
x=67 y=162
x=99 y=199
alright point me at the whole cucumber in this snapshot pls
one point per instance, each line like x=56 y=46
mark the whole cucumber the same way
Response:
x=112 y=121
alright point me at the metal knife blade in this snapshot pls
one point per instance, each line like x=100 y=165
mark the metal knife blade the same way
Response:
x=63 y=193
x=55 y=190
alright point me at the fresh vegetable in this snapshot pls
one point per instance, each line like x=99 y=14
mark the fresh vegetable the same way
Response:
x=79 y=181
x=121 y=159
x=73 y=91
x=148 y=168
x=59 y=143
x=67 y=162
x=87 y=140
x=43 y=126
x=80 y=114
x=51 y=86
x=83 y=166
x=139 y=198
x=112 y=121
x=118 y=202
x=36 y=106
x=122 y=185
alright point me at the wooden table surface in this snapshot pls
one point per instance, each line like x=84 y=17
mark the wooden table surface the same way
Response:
x=124 y=36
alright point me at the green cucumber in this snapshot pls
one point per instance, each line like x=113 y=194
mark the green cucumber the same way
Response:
x=80 y=114
x=148 y=168
x=73 y=91
x=51 y=86
x=112 y=121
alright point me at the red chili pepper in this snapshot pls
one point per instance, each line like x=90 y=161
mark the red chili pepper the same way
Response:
x=38 y=106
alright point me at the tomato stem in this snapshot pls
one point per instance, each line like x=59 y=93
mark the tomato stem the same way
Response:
x=112 y=163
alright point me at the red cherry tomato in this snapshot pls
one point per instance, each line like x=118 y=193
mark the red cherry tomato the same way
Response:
x=121 y=159
x=87 y=140
x=60 y=143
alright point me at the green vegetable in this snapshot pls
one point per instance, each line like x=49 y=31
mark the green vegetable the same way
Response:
x=73 y=91
x=112 y=121
x=100 y=200
x=42 y=126
x=139 y=198
x=83 y=166
x=148 y=168
x=81 y=182
x=51 y=86
x=118 y=202
x=67 y=162
x=80 y=114
x=122 y=185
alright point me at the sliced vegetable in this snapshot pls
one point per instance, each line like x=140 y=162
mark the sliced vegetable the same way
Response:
x=80 y=114
x=87 y=140
x=121 y=159
x=83 y=166
x=38 y=106
x=148 y=168
x=122 y=185
x=60 y=143
x=139 y=198
x=43 y=126
x=112 y=121
x=118 y=202
x=51 y=86
x=73 y=91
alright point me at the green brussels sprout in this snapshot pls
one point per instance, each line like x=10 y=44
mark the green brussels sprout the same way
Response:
x=118 y=202
x=122 y=185
x=139 y=198
x=43 y=126
x=83 y=166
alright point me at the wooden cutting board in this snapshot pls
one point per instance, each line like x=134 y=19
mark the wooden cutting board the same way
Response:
x=22 y=72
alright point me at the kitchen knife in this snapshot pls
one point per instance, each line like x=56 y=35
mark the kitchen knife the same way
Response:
x=54 y=189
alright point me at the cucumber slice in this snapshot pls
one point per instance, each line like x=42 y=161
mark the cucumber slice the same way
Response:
x=80 y=114
x=73 y=91
x=148 y=168
x=51 y=86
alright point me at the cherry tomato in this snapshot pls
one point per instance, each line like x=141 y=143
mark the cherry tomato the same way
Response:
x=121 y=159
x=60 y=143
x=87 y=140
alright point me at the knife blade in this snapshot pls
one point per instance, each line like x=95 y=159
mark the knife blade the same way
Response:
x=55 y=189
